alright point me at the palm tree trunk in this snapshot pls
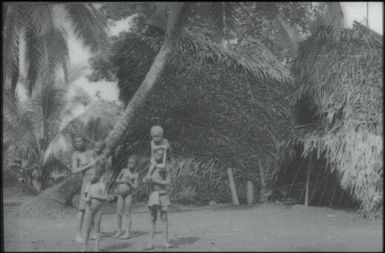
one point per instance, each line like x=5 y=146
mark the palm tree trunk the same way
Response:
x=70 y=186
x=15 y=75
x=152 y=76
x=5 y=12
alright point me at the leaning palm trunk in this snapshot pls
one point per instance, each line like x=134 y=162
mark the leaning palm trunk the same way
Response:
x=62 y=193
x=153 y=75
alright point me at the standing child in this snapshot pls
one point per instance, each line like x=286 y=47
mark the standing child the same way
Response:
x=159 y=180
x=127 y=181
x=94 y=195
x=158 y=142
x=82 y=162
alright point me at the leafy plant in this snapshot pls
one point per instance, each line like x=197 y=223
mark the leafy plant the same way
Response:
x=342 y=77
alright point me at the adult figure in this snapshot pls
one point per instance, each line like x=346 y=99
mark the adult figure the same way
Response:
x=83 y=162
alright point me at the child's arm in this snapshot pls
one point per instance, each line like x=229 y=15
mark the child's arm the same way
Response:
x=102 y=193
x=119 y=177
x=169 y=152
x=75 y=169
x=135 y=184
x=87 y=197
x=150 y=170
x=153 y=146
x=157 y=180
x=164 y=157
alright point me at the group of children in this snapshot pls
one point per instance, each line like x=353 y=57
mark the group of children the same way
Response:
x=94 y=189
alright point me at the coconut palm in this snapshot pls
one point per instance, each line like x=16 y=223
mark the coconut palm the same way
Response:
x=184 y=44
x=177 y=16
x=42 y=29
x=30 y=125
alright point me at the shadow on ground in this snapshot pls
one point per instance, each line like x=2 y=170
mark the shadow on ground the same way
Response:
x=133 y=234
x=184 y=240
x=116 y=246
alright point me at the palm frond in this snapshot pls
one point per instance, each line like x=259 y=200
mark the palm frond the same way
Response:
x=43 y=17
x=223 y=14
x=47 y=106
x=334 y=17
x=34 y=53
x=73 y=73
x=95 y=121
x=87 y=24
x=19 y=126
x=264 y=66
x=59 y=144
x=13 y=27
x=344 y=82
x=289 y=37
x=57 y=50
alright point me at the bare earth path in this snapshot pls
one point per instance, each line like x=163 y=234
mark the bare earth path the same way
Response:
x=255 y=228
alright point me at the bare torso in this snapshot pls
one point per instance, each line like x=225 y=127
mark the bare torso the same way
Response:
x=96 y=189
x=126 y=188
x=82 y=159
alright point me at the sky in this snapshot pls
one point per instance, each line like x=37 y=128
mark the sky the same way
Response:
x=353 y=11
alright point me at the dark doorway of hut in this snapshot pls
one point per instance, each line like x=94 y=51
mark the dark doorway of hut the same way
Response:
x=310 y=180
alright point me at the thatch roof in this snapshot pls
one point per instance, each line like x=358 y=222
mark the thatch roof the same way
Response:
x=343 y=80
x=209 y=109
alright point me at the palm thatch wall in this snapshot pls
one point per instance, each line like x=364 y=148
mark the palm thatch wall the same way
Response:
x=215 y=111
x=342 y=80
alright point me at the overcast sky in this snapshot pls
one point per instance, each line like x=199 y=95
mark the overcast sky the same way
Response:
x=80 y=55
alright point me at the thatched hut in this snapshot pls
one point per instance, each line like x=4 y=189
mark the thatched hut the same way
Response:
x=339 y=102
x=216 y=115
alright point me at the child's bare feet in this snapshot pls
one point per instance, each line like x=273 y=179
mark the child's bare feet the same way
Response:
x=118 y=234
x=125 y=236
x=168 y=245
x=149 y=246
x=79 y=238
x=93 y=237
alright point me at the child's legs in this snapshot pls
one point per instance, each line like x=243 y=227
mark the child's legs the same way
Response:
x=97 y=223
x=80 y=220
x=127 y=209
x=164 y=219
x=153 y=214
x=164 y=202
x=119 y=212
x=87 y=223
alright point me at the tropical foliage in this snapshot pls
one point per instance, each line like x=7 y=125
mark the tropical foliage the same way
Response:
x=30 y=125
x=343 y=80
x=201 y=118
x=42 y=31
x=217 y=77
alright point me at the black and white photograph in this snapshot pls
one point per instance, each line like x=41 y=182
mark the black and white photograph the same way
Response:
x=192 y=126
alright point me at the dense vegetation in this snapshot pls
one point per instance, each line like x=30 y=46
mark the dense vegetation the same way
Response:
x=231 y=83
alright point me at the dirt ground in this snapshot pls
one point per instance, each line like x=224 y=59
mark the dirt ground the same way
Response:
x=253 y=228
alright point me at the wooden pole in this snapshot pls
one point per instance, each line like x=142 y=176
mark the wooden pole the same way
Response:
x=308 y=181
x=295 y=177
x=263 y=186
x=250 y=192
x=261 y=175
x=341 y=198
x=317 y=188
x=325 y=186
x=334 y=193
x=232 y=187
x=302 y=192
